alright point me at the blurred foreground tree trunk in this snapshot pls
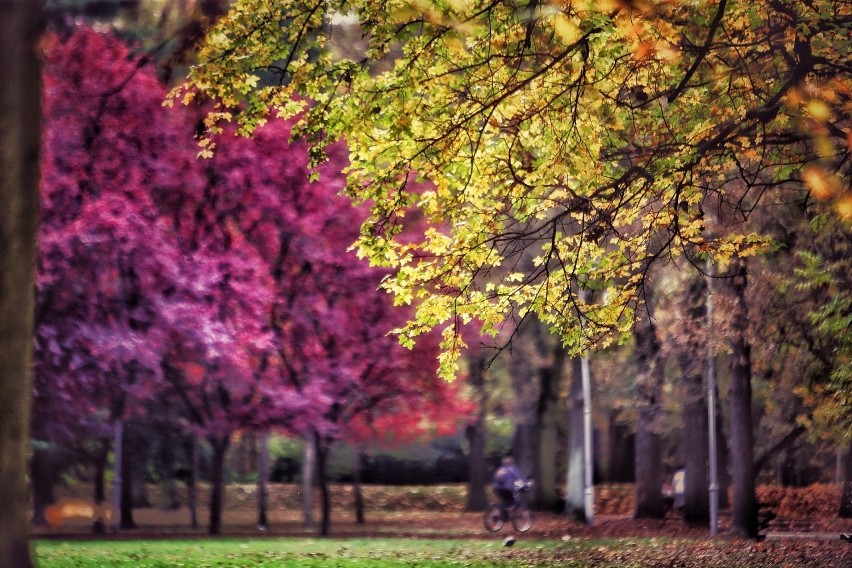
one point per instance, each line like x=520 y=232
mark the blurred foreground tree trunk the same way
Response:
x=20 y=119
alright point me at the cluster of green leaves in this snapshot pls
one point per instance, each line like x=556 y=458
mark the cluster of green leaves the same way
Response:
x=826 y=273
x=553 y=146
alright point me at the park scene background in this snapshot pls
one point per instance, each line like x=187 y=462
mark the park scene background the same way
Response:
x=211 y=357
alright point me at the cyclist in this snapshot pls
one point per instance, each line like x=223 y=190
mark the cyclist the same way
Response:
x=506 y=478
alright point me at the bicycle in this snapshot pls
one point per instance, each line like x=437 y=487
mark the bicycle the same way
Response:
x=518 y=512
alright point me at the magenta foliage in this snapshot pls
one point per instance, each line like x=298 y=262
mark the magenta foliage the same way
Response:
x=222 y=287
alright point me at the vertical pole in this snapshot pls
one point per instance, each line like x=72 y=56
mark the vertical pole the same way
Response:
x=588 y=462
x=711 y=410
x=118 y=448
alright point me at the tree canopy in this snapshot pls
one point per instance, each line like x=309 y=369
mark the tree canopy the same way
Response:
x=567 y=144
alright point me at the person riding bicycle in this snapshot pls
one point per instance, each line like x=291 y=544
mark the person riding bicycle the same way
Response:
x=506 y=479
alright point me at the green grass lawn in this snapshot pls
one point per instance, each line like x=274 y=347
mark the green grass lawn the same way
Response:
x=278 y=553
x=382 y=553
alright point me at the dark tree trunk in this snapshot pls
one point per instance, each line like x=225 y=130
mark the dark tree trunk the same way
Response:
x=477 y=498
x=100 y=462
x=695 y=444
x=575 y=507
x=45 y=464
x=524 y=448
x=744 y=513
x=357 y=495
x=20 y=119
x=219 y=445
x=192 y=482
x=127 y=477
x=845 y=511
x=550 y=380
x=308 y=480
x=525 y=402
x=322 y=449
x=723 y=455
x=622 y=452
x=262 y=478
x=649 y=392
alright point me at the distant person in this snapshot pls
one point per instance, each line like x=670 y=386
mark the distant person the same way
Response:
x=506 y=478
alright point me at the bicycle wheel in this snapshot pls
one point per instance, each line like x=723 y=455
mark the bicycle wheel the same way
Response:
x=493 y=518
x=522 y=518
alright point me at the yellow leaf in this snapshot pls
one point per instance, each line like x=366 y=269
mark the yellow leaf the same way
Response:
x=565 y=28
x=818 y=110
x=821 y=183
x=844 y=207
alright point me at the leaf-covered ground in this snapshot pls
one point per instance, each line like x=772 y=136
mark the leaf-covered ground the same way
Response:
x=434 y=515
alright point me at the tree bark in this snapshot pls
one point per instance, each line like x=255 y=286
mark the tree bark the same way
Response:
x=477 y=498
x=192 y=482
x=46 y=464
x=649 y=393
x=219 y=445
x=127 y=501
x=744 y=512
x=357 y=495
x=20 y=119
x=322 y=449
x=308 y=475
x=695 y=443
x=621 y=457
x=550 y=379
x=262 y=477
x=100 y=457
x=575 y=507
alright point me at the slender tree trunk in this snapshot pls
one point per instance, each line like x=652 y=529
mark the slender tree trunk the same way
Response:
x=219 y=445
x=357 y=495
x=20 y=119
x=43 y=475
x=192 y=482
x=524 y=405
x=477 y=498
x=129 y=442
x=622 y=452
x=845 y=511
x=695 y=444
x=550 y=379
x=308 y=477
x=744 y=513
x=649 y=392
x=575 y=507
x=322 y=449
x=262 y=478
x=101 y=454
x=723 y=455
